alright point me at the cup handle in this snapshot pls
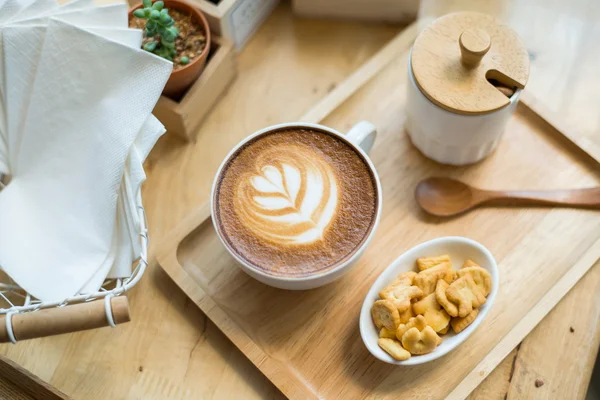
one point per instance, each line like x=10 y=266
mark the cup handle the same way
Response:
x=363 y=135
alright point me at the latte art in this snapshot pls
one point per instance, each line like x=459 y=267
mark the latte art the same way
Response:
x=295 y=202
x=291 y=199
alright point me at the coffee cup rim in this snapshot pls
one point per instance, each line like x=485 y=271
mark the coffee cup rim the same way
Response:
x=317 y=275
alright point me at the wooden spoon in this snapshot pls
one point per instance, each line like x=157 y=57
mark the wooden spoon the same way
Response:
x=446 y=197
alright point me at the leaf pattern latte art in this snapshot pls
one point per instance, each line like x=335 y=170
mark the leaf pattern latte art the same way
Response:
x=291 y=197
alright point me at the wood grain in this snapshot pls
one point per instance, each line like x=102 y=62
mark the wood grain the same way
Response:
x=290 y=347
x=16 y=383
x=529 y=321
x=571 y=130
x=362 y=75
x=474 y=45
x=496 y=385
x=563 y=338
x=567 y=330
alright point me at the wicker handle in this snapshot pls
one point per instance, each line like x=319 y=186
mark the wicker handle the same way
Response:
x=71 y=318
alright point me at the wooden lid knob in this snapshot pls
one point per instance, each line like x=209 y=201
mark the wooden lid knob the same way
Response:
x=454 y=59
x=474 y=44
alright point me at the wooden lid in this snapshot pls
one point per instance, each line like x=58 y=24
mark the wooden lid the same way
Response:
x=453 y=58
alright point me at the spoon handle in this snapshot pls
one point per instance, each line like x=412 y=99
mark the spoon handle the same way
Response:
x=581 y=197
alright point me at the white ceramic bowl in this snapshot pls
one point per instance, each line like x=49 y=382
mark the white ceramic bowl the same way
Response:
x=459 y=249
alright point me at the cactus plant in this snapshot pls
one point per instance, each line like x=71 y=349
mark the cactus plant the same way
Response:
x=158 y=22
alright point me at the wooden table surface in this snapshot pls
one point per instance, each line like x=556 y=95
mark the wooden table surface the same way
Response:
x=170 y=349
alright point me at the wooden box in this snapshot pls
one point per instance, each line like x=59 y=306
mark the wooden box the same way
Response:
x=183 y=117
x=367 y=10
x=236 y=20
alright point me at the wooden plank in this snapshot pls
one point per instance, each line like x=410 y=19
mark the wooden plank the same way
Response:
x=562 y=338
x=572 y=330
x=496 y=385
x=361 y=76
x=18 y=383
x=569 y=130
x=526 y=325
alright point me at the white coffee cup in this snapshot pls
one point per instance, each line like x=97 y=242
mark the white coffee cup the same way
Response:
x=361 y=137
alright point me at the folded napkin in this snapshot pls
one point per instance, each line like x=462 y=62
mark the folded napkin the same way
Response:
x=80 y=13
x=26 y=37
x=12 y=10
x=126 y=242
x=8 y=9
x=76 y=154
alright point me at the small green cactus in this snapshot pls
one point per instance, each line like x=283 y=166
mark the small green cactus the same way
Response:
x=160 y=23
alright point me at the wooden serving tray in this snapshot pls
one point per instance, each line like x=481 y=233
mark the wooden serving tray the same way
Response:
x=308 y=343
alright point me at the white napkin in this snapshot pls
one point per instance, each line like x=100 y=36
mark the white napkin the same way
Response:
x=37 y=13
x=8 y=9
x=26 y=38
x=126 y=241
x=63 y=201
x=14 y=10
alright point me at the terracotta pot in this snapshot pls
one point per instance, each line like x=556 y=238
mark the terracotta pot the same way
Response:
x=184 y=77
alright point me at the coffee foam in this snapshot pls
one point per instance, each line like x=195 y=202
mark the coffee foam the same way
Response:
x=295 y=202
x=291 y=197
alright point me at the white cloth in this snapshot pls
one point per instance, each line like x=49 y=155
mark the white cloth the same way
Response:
x=90 y=100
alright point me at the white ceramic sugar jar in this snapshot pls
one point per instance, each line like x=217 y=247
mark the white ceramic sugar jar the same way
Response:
x=461 y=69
